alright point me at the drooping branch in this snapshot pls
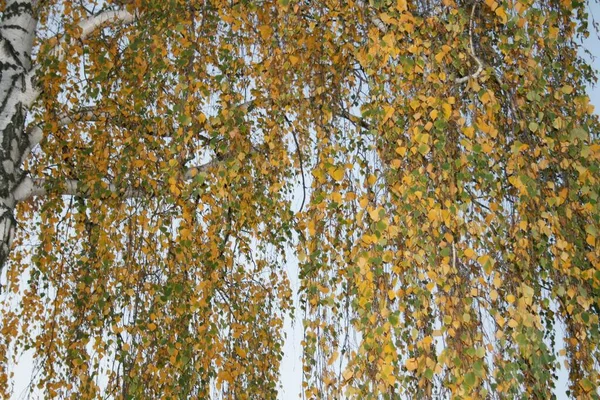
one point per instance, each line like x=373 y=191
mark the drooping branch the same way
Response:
x=39 y=187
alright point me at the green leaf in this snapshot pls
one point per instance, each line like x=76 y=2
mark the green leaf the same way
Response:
x=533 y=126
x=470 y=379
x=578 y=133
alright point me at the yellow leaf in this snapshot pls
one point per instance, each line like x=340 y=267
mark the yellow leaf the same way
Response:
x=371 y=179
x=241 y=352
x=567 y=89
x=500 y=320
x=491 y=4
x=469 y=253
x=185 y=233
x=369 y=239
x=433 y=215
x=193 y=172
x=502 y=14
x=387 y=373
x=387 y=19
x=265 y=31
x=311 y=227
x=333 y=357
x=389 y=111
x=469 y=132
x=528 y=291
x=336 y=196
x=347 y=374
x=294 y=60
x=447 y=108
x=337 y=173
x=411 y=364
x=374 y=214
x=427 y=340
x=391 y=294
x=401 y=5
x=424 y=138
x=482 y=259
x=485 y=98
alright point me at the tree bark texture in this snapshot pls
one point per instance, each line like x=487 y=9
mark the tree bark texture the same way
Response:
x=17 y=92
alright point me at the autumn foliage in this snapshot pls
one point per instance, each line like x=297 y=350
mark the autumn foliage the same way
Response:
x=434 y=165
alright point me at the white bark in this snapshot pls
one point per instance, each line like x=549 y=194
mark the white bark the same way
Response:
x=17 y=30
x=91 y=24
x=475 y=74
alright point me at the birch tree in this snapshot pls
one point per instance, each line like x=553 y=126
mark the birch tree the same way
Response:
x=434 y=164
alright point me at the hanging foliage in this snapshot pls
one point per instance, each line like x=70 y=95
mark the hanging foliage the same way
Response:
x=434 y=164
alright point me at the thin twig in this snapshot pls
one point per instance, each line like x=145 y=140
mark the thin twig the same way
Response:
x=299 y=152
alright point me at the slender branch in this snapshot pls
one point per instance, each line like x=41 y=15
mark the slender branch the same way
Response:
x=299 y=152
x=355 y=120
x=475 y=74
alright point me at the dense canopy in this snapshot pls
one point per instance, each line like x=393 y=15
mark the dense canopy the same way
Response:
x=433 y=165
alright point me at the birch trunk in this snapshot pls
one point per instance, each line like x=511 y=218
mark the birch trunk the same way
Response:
x=17 y=30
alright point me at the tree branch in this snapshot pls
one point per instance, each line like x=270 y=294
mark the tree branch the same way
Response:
x=299 y=151
x=475 y=74
x=38 y=187
x=355 y=120
x=89 y=25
